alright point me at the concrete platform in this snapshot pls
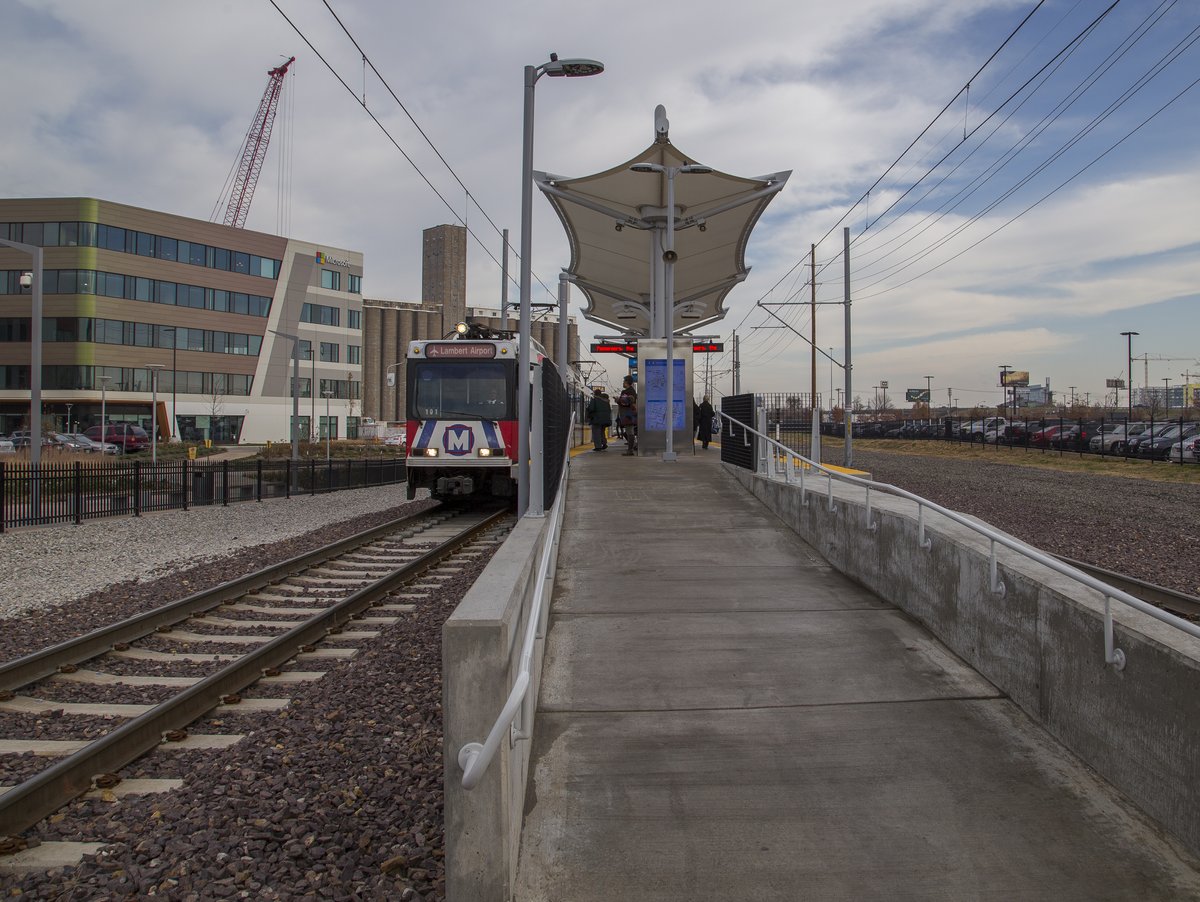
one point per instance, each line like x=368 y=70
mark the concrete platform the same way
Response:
x=723 y=716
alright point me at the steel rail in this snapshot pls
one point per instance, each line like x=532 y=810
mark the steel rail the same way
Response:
x=1179 y=602
x=31 y=668
x=1112 y=655
x=29 y=802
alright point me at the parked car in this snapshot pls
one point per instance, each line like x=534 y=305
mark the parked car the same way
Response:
x=977 y=431
x=7 y=447
x=1184 y=450
x=69 y=442
x=398 y=440
x=90 y=446
x=1131 y=431
x=1160 y=447
x=1074 y=437
x=1106 y=436
x=1041 y=438
x=1148 y=435
x=20 y=439
x=126 y=436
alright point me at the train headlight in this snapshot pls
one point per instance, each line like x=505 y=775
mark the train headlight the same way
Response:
x=485 y=452
x=431 y=452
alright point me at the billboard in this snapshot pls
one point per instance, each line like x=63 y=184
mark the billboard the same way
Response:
x=917 y=394
x=1114 y=383
x=1015 y=377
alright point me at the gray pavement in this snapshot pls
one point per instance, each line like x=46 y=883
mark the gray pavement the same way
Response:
x=723 y=716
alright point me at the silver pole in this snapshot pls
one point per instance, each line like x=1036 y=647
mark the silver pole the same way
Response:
x=104 y=380
x=154 y=416
x=35 y=356
x=848 y=452
x=504 y=285
x=669 y=314
x=295 y=399
x=327 y=429
x=564 y=297
x=523 y=368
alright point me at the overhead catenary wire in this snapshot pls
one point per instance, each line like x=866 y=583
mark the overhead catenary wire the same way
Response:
x=408 y=158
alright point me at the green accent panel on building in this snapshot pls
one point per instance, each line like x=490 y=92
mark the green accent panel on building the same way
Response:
x=89 y=210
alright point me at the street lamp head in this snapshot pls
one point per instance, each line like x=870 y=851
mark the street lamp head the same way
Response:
x=696 y=168
x=573 y=68
x=646 y=167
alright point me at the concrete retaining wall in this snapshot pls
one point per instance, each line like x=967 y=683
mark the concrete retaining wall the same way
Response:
x=481 y=649
x=1042 y=642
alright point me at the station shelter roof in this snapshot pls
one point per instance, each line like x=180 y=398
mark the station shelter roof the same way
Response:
x=610 y=217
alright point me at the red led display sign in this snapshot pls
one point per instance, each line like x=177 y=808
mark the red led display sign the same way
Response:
x=461 y=350
x=620 y=347
x=610 y=347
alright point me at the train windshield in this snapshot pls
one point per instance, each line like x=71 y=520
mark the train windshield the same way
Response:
x=462 y=389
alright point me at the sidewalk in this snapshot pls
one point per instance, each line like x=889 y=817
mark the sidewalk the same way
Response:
x=723 y=716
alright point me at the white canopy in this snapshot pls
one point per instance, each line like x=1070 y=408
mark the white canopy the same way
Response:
x=615 y=221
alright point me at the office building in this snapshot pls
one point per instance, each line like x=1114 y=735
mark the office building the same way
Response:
x=127 y=288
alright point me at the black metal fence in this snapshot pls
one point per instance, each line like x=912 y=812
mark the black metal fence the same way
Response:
x=1153 y=439
x=738 y=446
x=556 y=426
x=76 y=491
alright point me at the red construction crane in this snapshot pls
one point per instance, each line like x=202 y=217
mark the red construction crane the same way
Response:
x=254 y=149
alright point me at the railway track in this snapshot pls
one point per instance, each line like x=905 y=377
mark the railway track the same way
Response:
x=1176 y=602
x=276 y=615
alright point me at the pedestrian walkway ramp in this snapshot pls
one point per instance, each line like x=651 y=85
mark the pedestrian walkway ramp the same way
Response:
x=724 y=716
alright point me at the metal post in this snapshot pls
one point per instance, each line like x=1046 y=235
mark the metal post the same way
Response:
x=327 y=429
x=669 y=314
x=564 y=298
x=848 y=448
x=537 y=450
x=523 y=362
x=35 y=362
x=504 y=285
x=1129 y=371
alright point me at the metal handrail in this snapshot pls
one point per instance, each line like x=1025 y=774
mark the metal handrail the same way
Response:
x=1112 y=655
x=474 y=758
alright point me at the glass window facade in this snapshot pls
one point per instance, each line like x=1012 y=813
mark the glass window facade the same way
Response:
x=154 y=291
x=320 y=314
x=129 y=241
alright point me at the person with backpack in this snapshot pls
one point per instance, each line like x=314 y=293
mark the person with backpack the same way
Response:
x=627 y=414
x=599 y=414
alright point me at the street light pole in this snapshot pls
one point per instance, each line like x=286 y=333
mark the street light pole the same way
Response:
x=295 y=431
x=1129 y=371
x=929 y=395
x=1167 y=394
x=327 y=429
x=69 y=406
x=572 y=68
x=33 y=281
x=154 y=368
x=104 y=380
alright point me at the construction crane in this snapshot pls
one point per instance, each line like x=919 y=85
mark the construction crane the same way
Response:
x=254 y=149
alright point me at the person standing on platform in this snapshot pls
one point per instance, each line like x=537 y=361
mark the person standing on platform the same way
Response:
x=704 y=419
x=599 y=414
x=627 y=413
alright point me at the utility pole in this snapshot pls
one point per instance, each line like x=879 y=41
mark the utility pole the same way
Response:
x=1129 y=365
x=737 y=367
x=1004 y=368
x=847 y=366
x=813 y=305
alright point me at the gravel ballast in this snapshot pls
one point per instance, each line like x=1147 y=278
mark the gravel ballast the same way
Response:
x=1138 y=527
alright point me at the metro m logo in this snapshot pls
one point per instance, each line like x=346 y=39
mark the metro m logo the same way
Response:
x=458 y=440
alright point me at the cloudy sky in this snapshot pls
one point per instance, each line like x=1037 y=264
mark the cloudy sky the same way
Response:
x=1051 y=206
